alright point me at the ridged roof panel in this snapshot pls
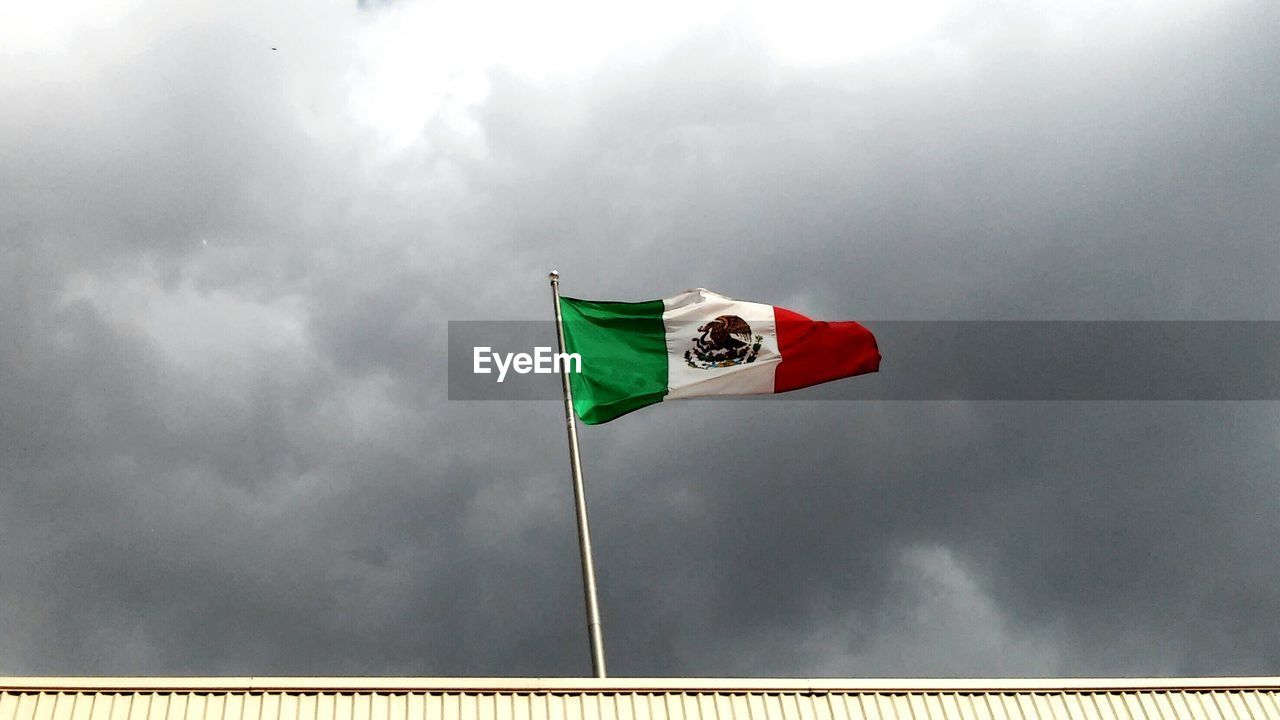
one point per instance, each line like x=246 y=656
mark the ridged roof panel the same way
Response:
x=648 y=699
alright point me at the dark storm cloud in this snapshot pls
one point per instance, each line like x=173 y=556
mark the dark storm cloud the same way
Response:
x=1076 y=519
x=227 y=446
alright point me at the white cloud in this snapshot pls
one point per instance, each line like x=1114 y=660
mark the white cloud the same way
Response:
x=941 y=622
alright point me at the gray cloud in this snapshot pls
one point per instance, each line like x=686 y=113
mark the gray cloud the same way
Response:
x=225 y=440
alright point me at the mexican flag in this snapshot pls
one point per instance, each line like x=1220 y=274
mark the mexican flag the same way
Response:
x=701 y=343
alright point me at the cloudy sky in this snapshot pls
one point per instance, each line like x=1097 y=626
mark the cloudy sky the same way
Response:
x=232 y=234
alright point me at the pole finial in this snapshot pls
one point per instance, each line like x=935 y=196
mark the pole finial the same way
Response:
x=554 y=275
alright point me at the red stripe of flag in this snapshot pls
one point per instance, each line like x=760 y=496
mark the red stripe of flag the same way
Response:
x=815 y=352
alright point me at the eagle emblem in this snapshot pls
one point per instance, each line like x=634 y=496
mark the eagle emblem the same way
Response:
x=724 y=342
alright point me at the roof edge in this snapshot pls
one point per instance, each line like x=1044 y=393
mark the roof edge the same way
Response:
x=561 y=684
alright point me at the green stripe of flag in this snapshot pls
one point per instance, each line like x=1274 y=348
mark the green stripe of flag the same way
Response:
x=624 y=356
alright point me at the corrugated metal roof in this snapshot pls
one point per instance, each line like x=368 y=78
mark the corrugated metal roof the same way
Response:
x=634 y=699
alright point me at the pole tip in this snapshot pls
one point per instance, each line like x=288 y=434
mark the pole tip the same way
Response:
x=554 y=275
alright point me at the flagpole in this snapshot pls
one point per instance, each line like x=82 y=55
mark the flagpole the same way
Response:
x=579 y=498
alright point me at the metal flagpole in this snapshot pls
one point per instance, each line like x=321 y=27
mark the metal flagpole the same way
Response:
x=579 y=498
